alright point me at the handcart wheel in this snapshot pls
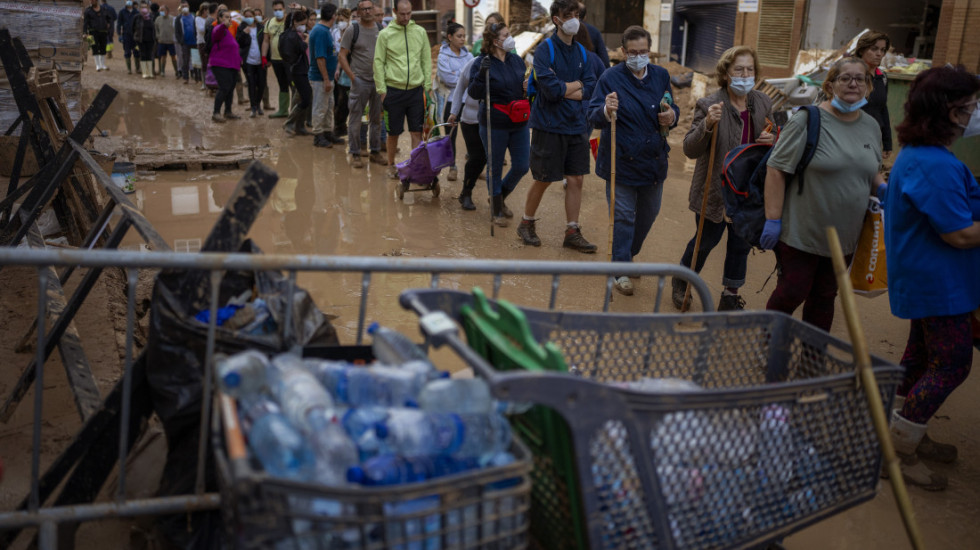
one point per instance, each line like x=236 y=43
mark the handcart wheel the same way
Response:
x=400 y=190
x=435 y=188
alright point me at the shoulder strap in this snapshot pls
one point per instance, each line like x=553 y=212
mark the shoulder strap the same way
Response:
x=812 y=139
x=585 y=56
x=353 y=39
x=551 y=48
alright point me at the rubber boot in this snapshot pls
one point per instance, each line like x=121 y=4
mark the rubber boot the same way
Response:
x=163 y=66
x=129 y=65
x=147 y=69
x=265 y=99
x=466 y=196
x=173 y=62
x=498 y=216
x=282 y=110
x=906 y=436
x=239 y=89
x=296 y=123
x=929 y=449
x=503 y=207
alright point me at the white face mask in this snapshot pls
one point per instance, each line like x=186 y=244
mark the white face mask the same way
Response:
x=300 y=28
x=742 y=85
x=185 y=11
x=570 y=27
x=342 y=25
x=508 y=44
x=972 y=128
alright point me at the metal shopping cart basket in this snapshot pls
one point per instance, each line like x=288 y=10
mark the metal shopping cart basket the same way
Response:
x=484 y=508
x=778 y=437
x=424 y=163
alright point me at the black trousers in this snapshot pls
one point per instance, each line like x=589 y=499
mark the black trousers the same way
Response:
x=255 y=77
x=147 y=51
x=226 y=87
x=282 y=76
x=341 y=109
x=476 y=155
x=101 y=38
x=452 y=135
x=305 y=91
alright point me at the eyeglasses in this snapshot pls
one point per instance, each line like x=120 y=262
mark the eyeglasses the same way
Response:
x=742 y=71
x=633 y=53
x=860 y=80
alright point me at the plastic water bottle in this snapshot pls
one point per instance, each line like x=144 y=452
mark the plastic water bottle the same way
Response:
x=243 y=373
x=333 y=448
x=389 y=469
x=361 y=425
x=775 y=448
x=411 y=432
x=280 y=448
x=394 y=348
x=464 y=396
x=663 y=385
x=297 y=391
x=377 y=385
x=397 y=528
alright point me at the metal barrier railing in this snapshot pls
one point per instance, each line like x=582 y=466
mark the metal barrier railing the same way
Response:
x=47 y=519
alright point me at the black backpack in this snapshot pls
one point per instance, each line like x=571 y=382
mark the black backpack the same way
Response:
x=208 y=27
x=744 y=179
x=357 y=31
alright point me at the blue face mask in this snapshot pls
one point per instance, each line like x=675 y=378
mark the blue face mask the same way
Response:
x=637 y=63
x=248 y=20
x=846 y=107
x=278 y=14
x=742 y=85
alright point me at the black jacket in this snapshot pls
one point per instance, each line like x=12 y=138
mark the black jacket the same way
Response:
x=293 y=52
x=245 y=41
x=877 y=107
x=143 y=29
x=96 y=21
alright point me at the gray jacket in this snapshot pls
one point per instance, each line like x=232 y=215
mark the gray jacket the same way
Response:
x=698 y=140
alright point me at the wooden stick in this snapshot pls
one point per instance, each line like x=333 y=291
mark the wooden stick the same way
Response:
x=234 y=438
x=612 y=181
x=862 y=362
x=686 y=305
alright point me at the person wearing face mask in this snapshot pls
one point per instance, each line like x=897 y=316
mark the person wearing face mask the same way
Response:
x=249 y=40
x=113 y=17
x=559 y=116
x=341 y=89
x=738 y=114
x=144 y=35
x=293 y=48
x=185 y=34
x=96 y=23
x=322 y=75
x=164 y=28
x=452 y=58
x=833 y=191
x=871 y=48
x=274 y=28
x=124 y=28
x=507 y=126
x=225 y=62
x=932 y=234
x=632 y=92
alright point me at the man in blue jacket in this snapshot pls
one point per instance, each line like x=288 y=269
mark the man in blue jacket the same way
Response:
x=632 y=92
x=560 y=132
x=598 y=44
x=124 y=26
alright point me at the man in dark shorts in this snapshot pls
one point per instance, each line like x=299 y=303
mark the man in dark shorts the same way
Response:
x=402 y=76
x=559 y=126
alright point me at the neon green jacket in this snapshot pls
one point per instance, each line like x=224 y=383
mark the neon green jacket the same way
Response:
x=402 y=58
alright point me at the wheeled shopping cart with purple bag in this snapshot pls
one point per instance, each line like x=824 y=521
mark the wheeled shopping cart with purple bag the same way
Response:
x=424 y=164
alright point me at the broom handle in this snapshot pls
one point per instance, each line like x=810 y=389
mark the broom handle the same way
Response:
x=686 y=305
x=862 y=362
x=612 y=180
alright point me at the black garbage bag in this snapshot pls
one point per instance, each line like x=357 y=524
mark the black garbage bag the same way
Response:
x=175 y=367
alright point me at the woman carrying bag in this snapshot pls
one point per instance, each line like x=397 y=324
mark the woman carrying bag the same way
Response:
x=509 y=112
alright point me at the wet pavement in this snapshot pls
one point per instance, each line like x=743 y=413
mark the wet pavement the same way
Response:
x=322 y=206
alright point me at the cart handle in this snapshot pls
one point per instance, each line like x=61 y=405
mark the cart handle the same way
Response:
x=429 y=133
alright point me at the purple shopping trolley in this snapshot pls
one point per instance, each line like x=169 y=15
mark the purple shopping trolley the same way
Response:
x=424 y=164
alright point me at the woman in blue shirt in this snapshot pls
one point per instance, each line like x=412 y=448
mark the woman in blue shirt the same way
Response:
x=932 y=204
x=633 y=91
x=508 y=114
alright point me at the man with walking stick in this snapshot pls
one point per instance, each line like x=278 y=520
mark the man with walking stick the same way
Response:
x=632 y=93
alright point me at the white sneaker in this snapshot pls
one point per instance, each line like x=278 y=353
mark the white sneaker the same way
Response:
x=624 y=285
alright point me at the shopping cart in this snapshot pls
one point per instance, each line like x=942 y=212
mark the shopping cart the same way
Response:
x=779 y=437
x=423 y=165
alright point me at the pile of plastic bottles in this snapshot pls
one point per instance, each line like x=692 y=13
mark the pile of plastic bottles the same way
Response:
x=397 y=421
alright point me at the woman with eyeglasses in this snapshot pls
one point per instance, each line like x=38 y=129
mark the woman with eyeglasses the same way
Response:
x=871 y=48
x=739 y=115
x=932 y=234
x=632 y=92
x=834 y=192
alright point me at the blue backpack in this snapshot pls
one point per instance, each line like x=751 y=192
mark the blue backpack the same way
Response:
x=532 y=90
x=744 y=179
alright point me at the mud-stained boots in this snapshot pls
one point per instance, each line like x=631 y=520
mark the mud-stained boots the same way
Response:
x=129 y=65
x=466 y=196
x=929 y=449
x=906 y=436
x=296 y=123
x=283 y=109
x=498 y=216
x=503 y=206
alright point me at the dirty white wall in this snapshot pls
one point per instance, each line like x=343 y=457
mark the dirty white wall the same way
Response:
x=832 y=23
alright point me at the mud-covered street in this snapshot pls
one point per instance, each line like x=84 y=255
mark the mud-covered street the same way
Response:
x=323 y=206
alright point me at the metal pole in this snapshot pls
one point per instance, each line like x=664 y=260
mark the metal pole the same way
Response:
x=42 y=304
x=202 y=445
x=132 y=279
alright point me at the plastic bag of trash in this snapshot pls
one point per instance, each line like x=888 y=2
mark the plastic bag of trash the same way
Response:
x=175 y=367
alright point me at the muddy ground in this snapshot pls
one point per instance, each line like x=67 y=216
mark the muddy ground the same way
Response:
x=323 y=206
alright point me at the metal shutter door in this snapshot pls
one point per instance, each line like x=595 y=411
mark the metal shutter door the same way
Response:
x=711 y=31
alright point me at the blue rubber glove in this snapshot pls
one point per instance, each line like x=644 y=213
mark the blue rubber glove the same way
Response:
x=882 y=192
x=770 y=234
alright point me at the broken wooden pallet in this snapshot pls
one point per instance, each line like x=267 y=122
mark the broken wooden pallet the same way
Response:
x=197 y=158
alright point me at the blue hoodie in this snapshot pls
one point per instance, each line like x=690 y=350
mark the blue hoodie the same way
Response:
x=450 y=66
x=641 y=152
x=551 y=111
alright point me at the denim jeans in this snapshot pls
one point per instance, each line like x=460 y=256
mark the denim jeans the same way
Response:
x=736 y=253
x=636 y=209
x=518 y=141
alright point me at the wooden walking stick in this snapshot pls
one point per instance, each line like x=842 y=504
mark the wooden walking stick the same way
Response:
x=704 y=204
x=612 y=180
x=862 y=362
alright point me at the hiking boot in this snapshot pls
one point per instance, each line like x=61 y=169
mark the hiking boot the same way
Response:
x=624 y=286
x=575 y=241
x=378 y=158
x=525 y=230
x=453 y=174
x=730 y=302
x=355 y=161
x=216 y=117
x=679 y=289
